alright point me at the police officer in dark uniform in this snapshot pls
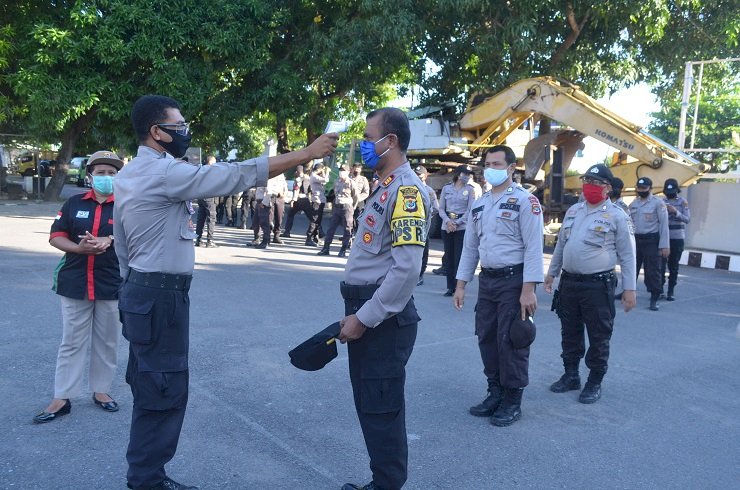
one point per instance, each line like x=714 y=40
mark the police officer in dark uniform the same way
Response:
x=206 y=217
x=505 y=233
x=652 y=238
x=154 y=245
x=300 y=200
x=595 y=236
x=379 y=280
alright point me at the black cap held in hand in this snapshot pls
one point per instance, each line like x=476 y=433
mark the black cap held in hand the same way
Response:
x=522 y=332
x=316 y=352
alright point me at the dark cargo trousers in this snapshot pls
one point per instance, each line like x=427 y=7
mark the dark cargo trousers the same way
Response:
x=155 y=316
x=590 y=303
x=498 y=305
x=341 y=214
x=647 y=253
x=671 y=263
x=377 y=370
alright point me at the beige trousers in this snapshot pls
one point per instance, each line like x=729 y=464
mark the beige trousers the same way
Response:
x=87 y=323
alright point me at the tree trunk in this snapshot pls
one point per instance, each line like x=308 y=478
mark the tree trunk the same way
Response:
x=281 y=130
x=69 y=141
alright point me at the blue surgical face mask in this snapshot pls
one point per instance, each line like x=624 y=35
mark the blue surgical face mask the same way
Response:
x=495 y=176
x=367 y=149
x=103 y=184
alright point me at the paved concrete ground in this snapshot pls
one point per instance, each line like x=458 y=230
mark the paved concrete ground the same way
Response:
x=668 y=417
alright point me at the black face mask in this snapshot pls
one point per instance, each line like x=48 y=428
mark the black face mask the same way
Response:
x=643 y=194
x=671 y=195
x=179 y=144
x=615 y=194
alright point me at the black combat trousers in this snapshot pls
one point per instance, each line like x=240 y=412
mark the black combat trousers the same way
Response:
x=341 y=214
x=377 y=370
x=206 y=215
x=646 y=251
x=587 y=300
x=317 y=213
x=302 y=204
x=453 y=243
x=231 y=209
x=155 y=315
x=497 y=307
x=671 y=262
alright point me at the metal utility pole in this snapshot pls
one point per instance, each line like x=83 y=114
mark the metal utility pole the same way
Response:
x=688 y=80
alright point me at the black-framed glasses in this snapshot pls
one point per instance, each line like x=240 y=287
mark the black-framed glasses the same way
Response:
x=591 y=180
x=183 y=128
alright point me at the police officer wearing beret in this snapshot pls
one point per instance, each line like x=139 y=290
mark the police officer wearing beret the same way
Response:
x=678 y=216
x=505 y=232
x=596 y=235
x=152 y=222
x=650 y=217
x=379 y=279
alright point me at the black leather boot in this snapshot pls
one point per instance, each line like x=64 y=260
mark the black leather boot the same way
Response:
x=669 y=296
x=309 y=242
x=342 y=252
x=654 y=304
x=568 y=381
x=490 y=403
x=510 y=409
x=592 y=390
x=324 y=250
x=265 y=241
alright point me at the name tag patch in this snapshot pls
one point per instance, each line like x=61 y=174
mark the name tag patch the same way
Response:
x=509 y=206
x=83 y=214
x=378 y=208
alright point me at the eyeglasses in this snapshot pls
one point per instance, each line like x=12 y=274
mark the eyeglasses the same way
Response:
x=183 y=128
x=591 y=180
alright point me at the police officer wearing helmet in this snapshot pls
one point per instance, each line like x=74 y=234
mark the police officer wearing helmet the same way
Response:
x=678 y=216
x=595 y=236
x=650 y=217
x=505 y=232
x=379 y=278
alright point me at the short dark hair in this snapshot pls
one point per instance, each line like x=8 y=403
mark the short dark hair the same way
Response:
x=148 y=111
x=394 y=121
x=509 y=155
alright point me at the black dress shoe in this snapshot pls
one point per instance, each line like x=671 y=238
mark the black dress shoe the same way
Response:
x=440 y=272
x=166 y=484
x=110 y=406
x=45 y=417
x=449 y=292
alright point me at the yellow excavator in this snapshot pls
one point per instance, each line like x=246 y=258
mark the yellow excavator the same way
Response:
x=510 y=116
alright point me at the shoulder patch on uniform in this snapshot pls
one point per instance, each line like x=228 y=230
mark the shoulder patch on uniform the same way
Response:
x=408 y=221
x=476 y=212
x=536 y=208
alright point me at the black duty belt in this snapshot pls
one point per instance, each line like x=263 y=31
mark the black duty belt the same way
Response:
x=676 y=227
x=647 y=236
x=452 y=215
x=362 y=293
x=599 y=276
x=509 y=270
x=160 y=280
